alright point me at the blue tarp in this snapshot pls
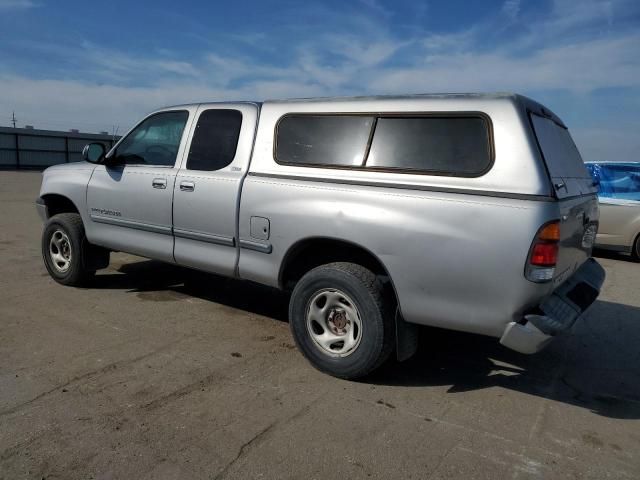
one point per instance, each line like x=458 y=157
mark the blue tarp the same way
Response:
x=617 y=180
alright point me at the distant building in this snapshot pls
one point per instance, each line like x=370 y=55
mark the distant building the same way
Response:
x=29 y=148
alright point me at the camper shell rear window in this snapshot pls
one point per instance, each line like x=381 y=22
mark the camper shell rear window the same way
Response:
x=558 y=149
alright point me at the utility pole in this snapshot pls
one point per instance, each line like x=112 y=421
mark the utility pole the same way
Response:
x=13 y=119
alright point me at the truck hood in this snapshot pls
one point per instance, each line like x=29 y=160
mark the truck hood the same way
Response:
x=69 y=167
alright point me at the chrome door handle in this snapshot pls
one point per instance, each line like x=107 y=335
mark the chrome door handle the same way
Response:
x=187 y=186
x=159 y=183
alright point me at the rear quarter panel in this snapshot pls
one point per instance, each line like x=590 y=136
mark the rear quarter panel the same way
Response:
x=456 y=261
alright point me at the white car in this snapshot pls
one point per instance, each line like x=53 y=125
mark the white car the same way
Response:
x=619 y=197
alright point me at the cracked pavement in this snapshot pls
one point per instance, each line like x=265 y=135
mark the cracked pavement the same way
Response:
x=156 y=372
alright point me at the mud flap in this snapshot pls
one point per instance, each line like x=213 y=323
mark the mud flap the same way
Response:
x=406 y=338
x=96 y=257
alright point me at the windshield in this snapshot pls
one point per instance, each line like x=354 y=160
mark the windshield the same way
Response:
x=620 y=181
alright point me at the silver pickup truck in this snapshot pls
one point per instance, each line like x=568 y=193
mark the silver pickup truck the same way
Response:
x=467 y=212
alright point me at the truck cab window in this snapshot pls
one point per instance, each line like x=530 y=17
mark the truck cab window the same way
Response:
x=155 y=141
x=215 y=140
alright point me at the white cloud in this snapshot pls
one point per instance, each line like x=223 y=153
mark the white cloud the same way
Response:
x=64 y=104
x=568 y=15
x=16 y=4
x=361 y=52
x=71 y=104
x=581 y=67
x=451 y=42
x=119 y=64
x=359 y=55
x=376 y=6
x=511 y=8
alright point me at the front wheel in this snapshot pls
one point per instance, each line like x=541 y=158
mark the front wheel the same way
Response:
x=339 y=320
x=66 y=251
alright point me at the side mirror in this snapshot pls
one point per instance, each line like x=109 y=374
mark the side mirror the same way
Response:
x=93 y=152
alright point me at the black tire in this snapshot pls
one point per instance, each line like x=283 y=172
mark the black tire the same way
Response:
x=635 y=251
x=79 y=271
x=366 y=292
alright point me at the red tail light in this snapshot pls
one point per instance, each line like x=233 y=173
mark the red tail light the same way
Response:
x=543 y=255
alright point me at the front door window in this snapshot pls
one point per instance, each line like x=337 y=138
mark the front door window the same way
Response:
x=155 y=141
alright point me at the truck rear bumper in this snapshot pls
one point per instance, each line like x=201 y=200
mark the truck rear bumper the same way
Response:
x=558 y=312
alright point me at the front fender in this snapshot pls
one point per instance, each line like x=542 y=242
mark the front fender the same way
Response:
x=70 y=181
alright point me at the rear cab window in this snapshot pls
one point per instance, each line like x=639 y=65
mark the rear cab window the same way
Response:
x=442 y=144
x=215 y=140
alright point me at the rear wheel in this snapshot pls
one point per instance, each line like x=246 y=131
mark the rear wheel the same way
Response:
x=635 y=252
x=66 y=252
x=339 y=320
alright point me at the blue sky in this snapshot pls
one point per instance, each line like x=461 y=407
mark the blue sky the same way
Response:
x=93 y=66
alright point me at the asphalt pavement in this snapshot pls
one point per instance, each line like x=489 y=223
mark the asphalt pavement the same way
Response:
x=156 y=372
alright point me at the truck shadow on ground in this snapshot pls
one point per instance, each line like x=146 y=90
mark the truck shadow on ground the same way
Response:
x=158 y=281
x=596 y=367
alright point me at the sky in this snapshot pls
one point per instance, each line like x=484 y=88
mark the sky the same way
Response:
x=100 y=66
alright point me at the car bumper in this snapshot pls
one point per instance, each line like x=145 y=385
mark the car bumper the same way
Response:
x=558 y=312
x=42 y=209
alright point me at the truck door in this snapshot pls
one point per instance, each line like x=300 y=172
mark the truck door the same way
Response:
x=129 y=198
x=207 y=187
